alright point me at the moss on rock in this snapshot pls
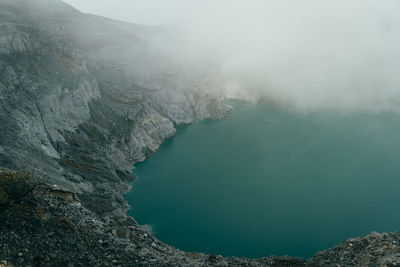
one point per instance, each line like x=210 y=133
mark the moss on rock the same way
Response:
x=14 y=186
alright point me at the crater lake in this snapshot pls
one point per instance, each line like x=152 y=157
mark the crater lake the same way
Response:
x=271 y=181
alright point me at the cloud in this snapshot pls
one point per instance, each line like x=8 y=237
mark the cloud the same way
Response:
x=309 y=54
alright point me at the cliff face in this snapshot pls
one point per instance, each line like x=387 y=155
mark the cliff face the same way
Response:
x=81 y=99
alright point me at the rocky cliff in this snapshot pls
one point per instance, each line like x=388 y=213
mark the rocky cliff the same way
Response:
x=82 y=98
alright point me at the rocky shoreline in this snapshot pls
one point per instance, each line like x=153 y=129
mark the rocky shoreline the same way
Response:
x=50 y=227
x=82 y=98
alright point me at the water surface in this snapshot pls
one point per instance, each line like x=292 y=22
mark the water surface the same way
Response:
x=271 y=181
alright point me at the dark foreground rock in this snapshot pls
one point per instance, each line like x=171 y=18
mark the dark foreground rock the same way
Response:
x=50 y=227
x=82 y=98
x=53 y=228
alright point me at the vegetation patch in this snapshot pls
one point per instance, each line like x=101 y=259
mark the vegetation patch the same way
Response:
x=14 y=186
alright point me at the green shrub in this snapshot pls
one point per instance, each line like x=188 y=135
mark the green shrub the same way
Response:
x=14 y=186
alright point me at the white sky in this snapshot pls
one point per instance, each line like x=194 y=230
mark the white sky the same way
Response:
x=148 y=11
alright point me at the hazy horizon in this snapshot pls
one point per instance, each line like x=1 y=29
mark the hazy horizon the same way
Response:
x=146 y=12
x=309 y=54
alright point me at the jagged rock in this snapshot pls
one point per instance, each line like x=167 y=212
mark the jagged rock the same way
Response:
x=81 y=101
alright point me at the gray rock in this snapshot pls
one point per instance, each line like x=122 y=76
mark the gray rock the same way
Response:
x=80 y=101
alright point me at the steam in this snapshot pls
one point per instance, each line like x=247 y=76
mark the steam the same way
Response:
x=307 y=54
x=310 y=54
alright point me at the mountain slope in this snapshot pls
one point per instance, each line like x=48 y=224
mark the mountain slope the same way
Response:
x=83 y=97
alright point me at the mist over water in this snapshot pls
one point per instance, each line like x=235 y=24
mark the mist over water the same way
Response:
x=309 y=54
x=315 y=165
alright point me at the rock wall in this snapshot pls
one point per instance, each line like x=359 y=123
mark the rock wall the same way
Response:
x=83 y=98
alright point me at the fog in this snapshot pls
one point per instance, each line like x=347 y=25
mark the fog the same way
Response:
x=307 y=54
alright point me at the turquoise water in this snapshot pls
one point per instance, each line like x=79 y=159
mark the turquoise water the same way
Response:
x=271 y=181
